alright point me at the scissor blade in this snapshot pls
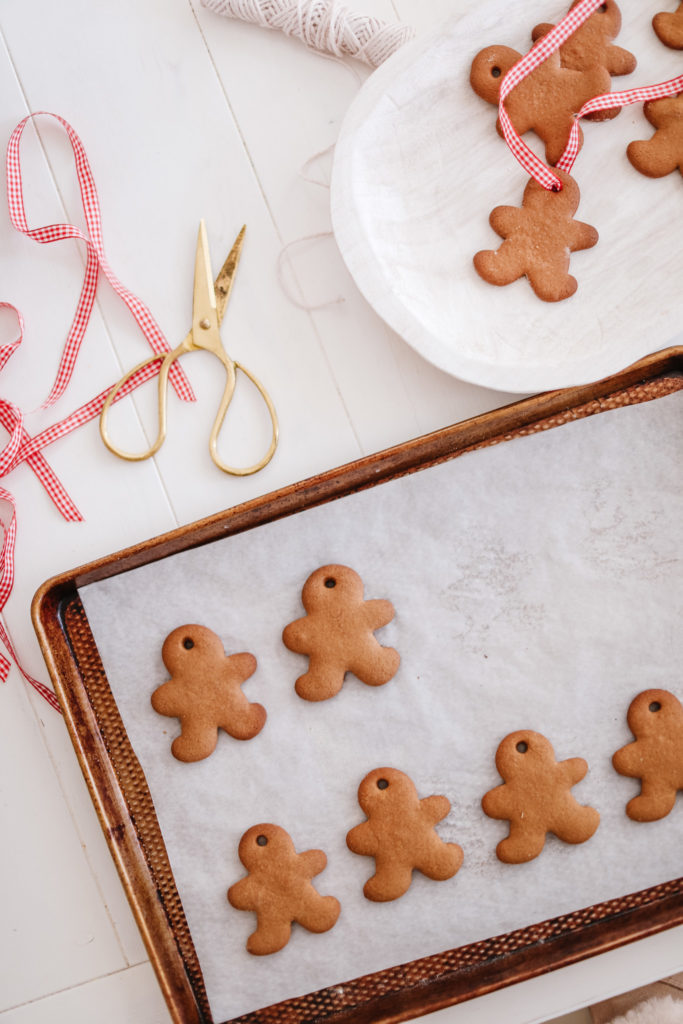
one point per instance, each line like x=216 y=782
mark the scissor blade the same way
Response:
x=226 y=277
x=204 y=313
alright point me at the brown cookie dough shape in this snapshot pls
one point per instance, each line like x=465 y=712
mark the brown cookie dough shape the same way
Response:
x=205 y=692
x=655 y=718
x=591 y=45
x=399 y=833
x=663 y=153
x=538 y=238
x=546 y=101
x=337 y=634
x=668 y=27
x=278 y=889
x=535 y=797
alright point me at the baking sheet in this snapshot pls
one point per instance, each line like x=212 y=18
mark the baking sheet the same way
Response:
x=418 y=168
x=535 y=587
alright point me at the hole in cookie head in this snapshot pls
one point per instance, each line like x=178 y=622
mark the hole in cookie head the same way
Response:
x=602 y=9
x=496 y=71
x=188 y=643
x=655 y=706
x=522 y=747
x=382 y=783
x=330 y=582
x=261 y=840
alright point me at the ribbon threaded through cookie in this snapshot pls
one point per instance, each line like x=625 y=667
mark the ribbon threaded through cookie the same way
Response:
x=545 y=46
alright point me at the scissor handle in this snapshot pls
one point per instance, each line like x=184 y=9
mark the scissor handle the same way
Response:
x=218 y=423
x=167 y=362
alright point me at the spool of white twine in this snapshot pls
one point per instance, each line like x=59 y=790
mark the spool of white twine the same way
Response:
x=324 y=25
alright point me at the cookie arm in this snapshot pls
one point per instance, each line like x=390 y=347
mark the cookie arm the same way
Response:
x=296 y=636
x=168 y=699
x=314 y=861
x=242 y=895
x=572 y=770
x=362 y=840
x=628 y=760
x=435 y=808
x=378 y=613
x=242 y=665
x=505 y=220
x=581 y=236
x=495 y=803
x=619 y=61
x=501 y=266
x=540 y=30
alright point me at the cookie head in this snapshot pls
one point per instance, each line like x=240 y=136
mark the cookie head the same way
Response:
x=555 y=206
x=262 y=844
x=329 y=586
x=653 y=710
x=489 y=68
x=190 y=645
x=522 y=753
x=609 y=17
x=383 y=788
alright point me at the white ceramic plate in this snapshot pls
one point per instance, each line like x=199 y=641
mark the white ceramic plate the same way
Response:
x=418 y=168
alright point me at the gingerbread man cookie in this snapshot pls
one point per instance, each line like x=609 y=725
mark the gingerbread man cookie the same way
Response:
x=538 y=238
x=205 y=692
x=399 y=833
x=591 y=44
x=668 y=27
x=337 y=634
x=663 y=153
x=546 y=101
x=535 y=797
x=278 y=889
x=655 y=718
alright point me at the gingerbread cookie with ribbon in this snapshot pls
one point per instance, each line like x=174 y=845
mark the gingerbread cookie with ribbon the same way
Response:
x=205 y=692
x=399 y=833
x=663 y=152
x=278 y=889
x=668 y=26
x=536 y=797
x=337 y=634
x=655 y=718
x=546 y=101
x=538 y=238
x=591 y=44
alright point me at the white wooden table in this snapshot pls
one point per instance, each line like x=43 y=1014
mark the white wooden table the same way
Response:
x=184 y=115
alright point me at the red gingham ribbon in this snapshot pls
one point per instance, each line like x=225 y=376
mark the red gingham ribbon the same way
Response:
x=21 y=447
x=534 y=166
x=96 y=260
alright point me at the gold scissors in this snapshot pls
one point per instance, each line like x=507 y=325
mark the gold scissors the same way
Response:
x=209 y=303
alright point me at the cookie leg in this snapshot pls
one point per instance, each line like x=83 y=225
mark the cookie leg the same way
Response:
x=196 y=741
x=247 y=723
x=576 y=825
x=652 y=160
x=377 y=667
x=321 y=681
x=389 y=882
x=320 y=914
x=272 y=934
x=552 y=283
x=524 y=843
x=444 y=861
x=655 y=801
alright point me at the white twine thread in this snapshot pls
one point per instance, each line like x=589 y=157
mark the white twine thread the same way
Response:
x=324 y=25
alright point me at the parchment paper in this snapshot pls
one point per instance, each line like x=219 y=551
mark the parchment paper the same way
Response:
x=537 y=584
